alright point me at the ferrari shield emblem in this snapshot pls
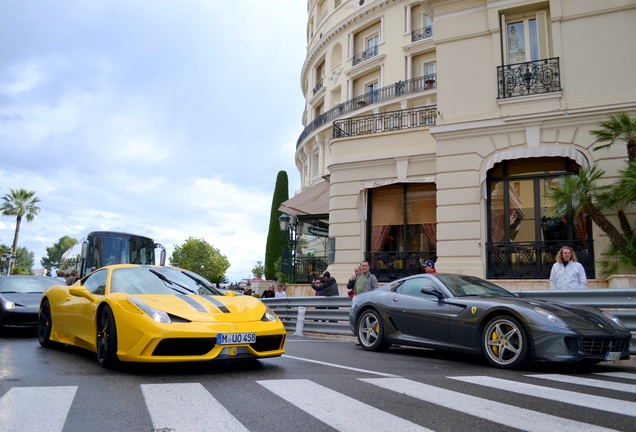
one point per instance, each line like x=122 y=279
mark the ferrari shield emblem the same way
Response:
x=473 y=309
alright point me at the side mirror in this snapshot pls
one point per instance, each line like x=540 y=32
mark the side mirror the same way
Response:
x=432 y=291
x=230 y=293
x=81 y=292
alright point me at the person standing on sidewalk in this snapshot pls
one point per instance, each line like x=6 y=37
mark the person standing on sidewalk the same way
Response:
x=365 y=281
x=326 y=285
x=567 y=272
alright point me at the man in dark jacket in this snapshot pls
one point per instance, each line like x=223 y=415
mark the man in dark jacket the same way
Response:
x=326 y=285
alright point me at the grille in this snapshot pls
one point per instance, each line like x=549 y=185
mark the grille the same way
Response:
x=599 y=346
x=183 y=347
x=268 y=343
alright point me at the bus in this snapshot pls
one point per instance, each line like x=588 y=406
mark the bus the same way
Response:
x=102 y=248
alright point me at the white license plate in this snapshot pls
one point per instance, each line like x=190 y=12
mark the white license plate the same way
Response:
x=235 y=338
x=613 y=355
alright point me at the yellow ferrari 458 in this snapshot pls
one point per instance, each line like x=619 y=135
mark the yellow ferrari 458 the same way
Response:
x=143 y=313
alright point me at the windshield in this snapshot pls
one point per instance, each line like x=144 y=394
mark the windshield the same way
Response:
x=464 y=285
x=26 y=284
x=159 y=280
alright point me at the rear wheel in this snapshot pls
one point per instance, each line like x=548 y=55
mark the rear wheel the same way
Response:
x=371 y=331
x=44 y=326
x=505 y=342
x=106 y=338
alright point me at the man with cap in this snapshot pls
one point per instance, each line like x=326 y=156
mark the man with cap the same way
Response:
x=326 y=285
x=429 y=266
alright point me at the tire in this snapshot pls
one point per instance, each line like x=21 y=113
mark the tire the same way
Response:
x=106 y=339
x=44 y=326
x=371 y=331
x=505 y=342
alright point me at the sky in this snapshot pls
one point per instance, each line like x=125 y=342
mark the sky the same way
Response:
x=164 y=118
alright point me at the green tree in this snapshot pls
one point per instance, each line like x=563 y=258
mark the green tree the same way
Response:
x=55 y=252
x=24 y=261
x=618 y=127
x=20 y=203
x=202 y=258
x=275 y=241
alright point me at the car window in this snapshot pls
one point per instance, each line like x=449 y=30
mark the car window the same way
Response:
x=413 y=287
x=96 y=282
x=25 y=284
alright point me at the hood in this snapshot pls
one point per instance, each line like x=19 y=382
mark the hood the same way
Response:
x=206 y=308
x=30 y=300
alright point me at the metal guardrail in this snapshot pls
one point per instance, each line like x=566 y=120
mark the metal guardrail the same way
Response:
x=330 y=315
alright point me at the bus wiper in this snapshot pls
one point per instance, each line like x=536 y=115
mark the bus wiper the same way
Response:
x=169 y=282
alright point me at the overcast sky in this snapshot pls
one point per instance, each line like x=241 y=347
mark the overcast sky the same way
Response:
x=166 y=118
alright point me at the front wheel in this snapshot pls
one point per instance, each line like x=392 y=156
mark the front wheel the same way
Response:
x=505 y=342
x=44 y=326
x=106 y=338
x=371 y=331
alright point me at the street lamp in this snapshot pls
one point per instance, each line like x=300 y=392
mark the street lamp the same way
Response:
x=287 y=225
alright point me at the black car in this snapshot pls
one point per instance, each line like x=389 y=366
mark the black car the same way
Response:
x=467 y=314
x=20 y=299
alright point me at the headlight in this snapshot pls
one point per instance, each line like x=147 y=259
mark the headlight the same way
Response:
x=269 y=315
x=155 y=314
x=614 y=318
x=8 y=305
x=549 y=316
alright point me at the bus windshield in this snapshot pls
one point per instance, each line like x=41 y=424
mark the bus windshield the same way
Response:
x=102 y=248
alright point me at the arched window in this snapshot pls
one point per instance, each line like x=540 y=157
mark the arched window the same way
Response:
x=524 y=233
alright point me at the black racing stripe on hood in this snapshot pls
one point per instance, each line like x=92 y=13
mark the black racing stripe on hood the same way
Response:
x=192 y=302
x=216 y=303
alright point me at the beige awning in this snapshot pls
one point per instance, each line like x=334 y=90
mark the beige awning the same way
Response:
x=312 y=201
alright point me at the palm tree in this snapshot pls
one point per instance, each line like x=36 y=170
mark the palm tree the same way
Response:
x=618 y=127
x=20 y=203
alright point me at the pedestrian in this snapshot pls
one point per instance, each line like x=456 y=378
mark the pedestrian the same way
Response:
x=61 y=275
x=280 y=291
x=325 y=285
x=352 y=280
x=365 y=281
x=72 y=278
x=429 y=266
x=567 y=272
x=269 y=292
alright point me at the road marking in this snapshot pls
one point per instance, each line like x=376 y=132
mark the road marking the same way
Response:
x=35 y=408
x=366 y=371
x=589 y=382
x=624 y=375
x=339 y=411
x=500 y=413
x=187 y=407
x=589 y=401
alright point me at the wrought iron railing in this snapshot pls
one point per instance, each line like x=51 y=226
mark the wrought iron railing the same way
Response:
x=308 y=268
x=421 y=34
x=384 y=122
x=365 y=55
x=317 y=87
x=534 y=77
x=533 y=260
x=392 y=265
x=400 y=88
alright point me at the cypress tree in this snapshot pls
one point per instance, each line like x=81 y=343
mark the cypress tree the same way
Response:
x=275 y=241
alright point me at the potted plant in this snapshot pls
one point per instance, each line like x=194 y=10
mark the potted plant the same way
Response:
x=258 y=270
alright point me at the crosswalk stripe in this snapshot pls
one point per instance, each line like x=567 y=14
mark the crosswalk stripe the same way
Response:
x=623 y=375
x=589 y=401
x=187 y=407
x=339 y=411
x=589 y=382
x=500 y=413
x=25 y=409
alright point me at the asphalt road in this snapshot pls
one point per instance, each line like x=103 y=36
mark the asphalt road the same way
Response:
x=319 y=385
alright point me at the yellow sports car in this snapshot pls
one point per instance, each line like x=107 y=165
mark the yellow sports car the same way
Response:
x=143 y=313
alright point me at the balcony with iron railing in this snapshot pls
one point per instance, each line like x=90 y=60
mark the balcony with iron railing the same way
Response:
x=421 y=34
x=391 y=265
x=365 y=55
x=385 y=122
x=317 y=87
x=399 y=89
x=533 y=260
x=529 y=78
